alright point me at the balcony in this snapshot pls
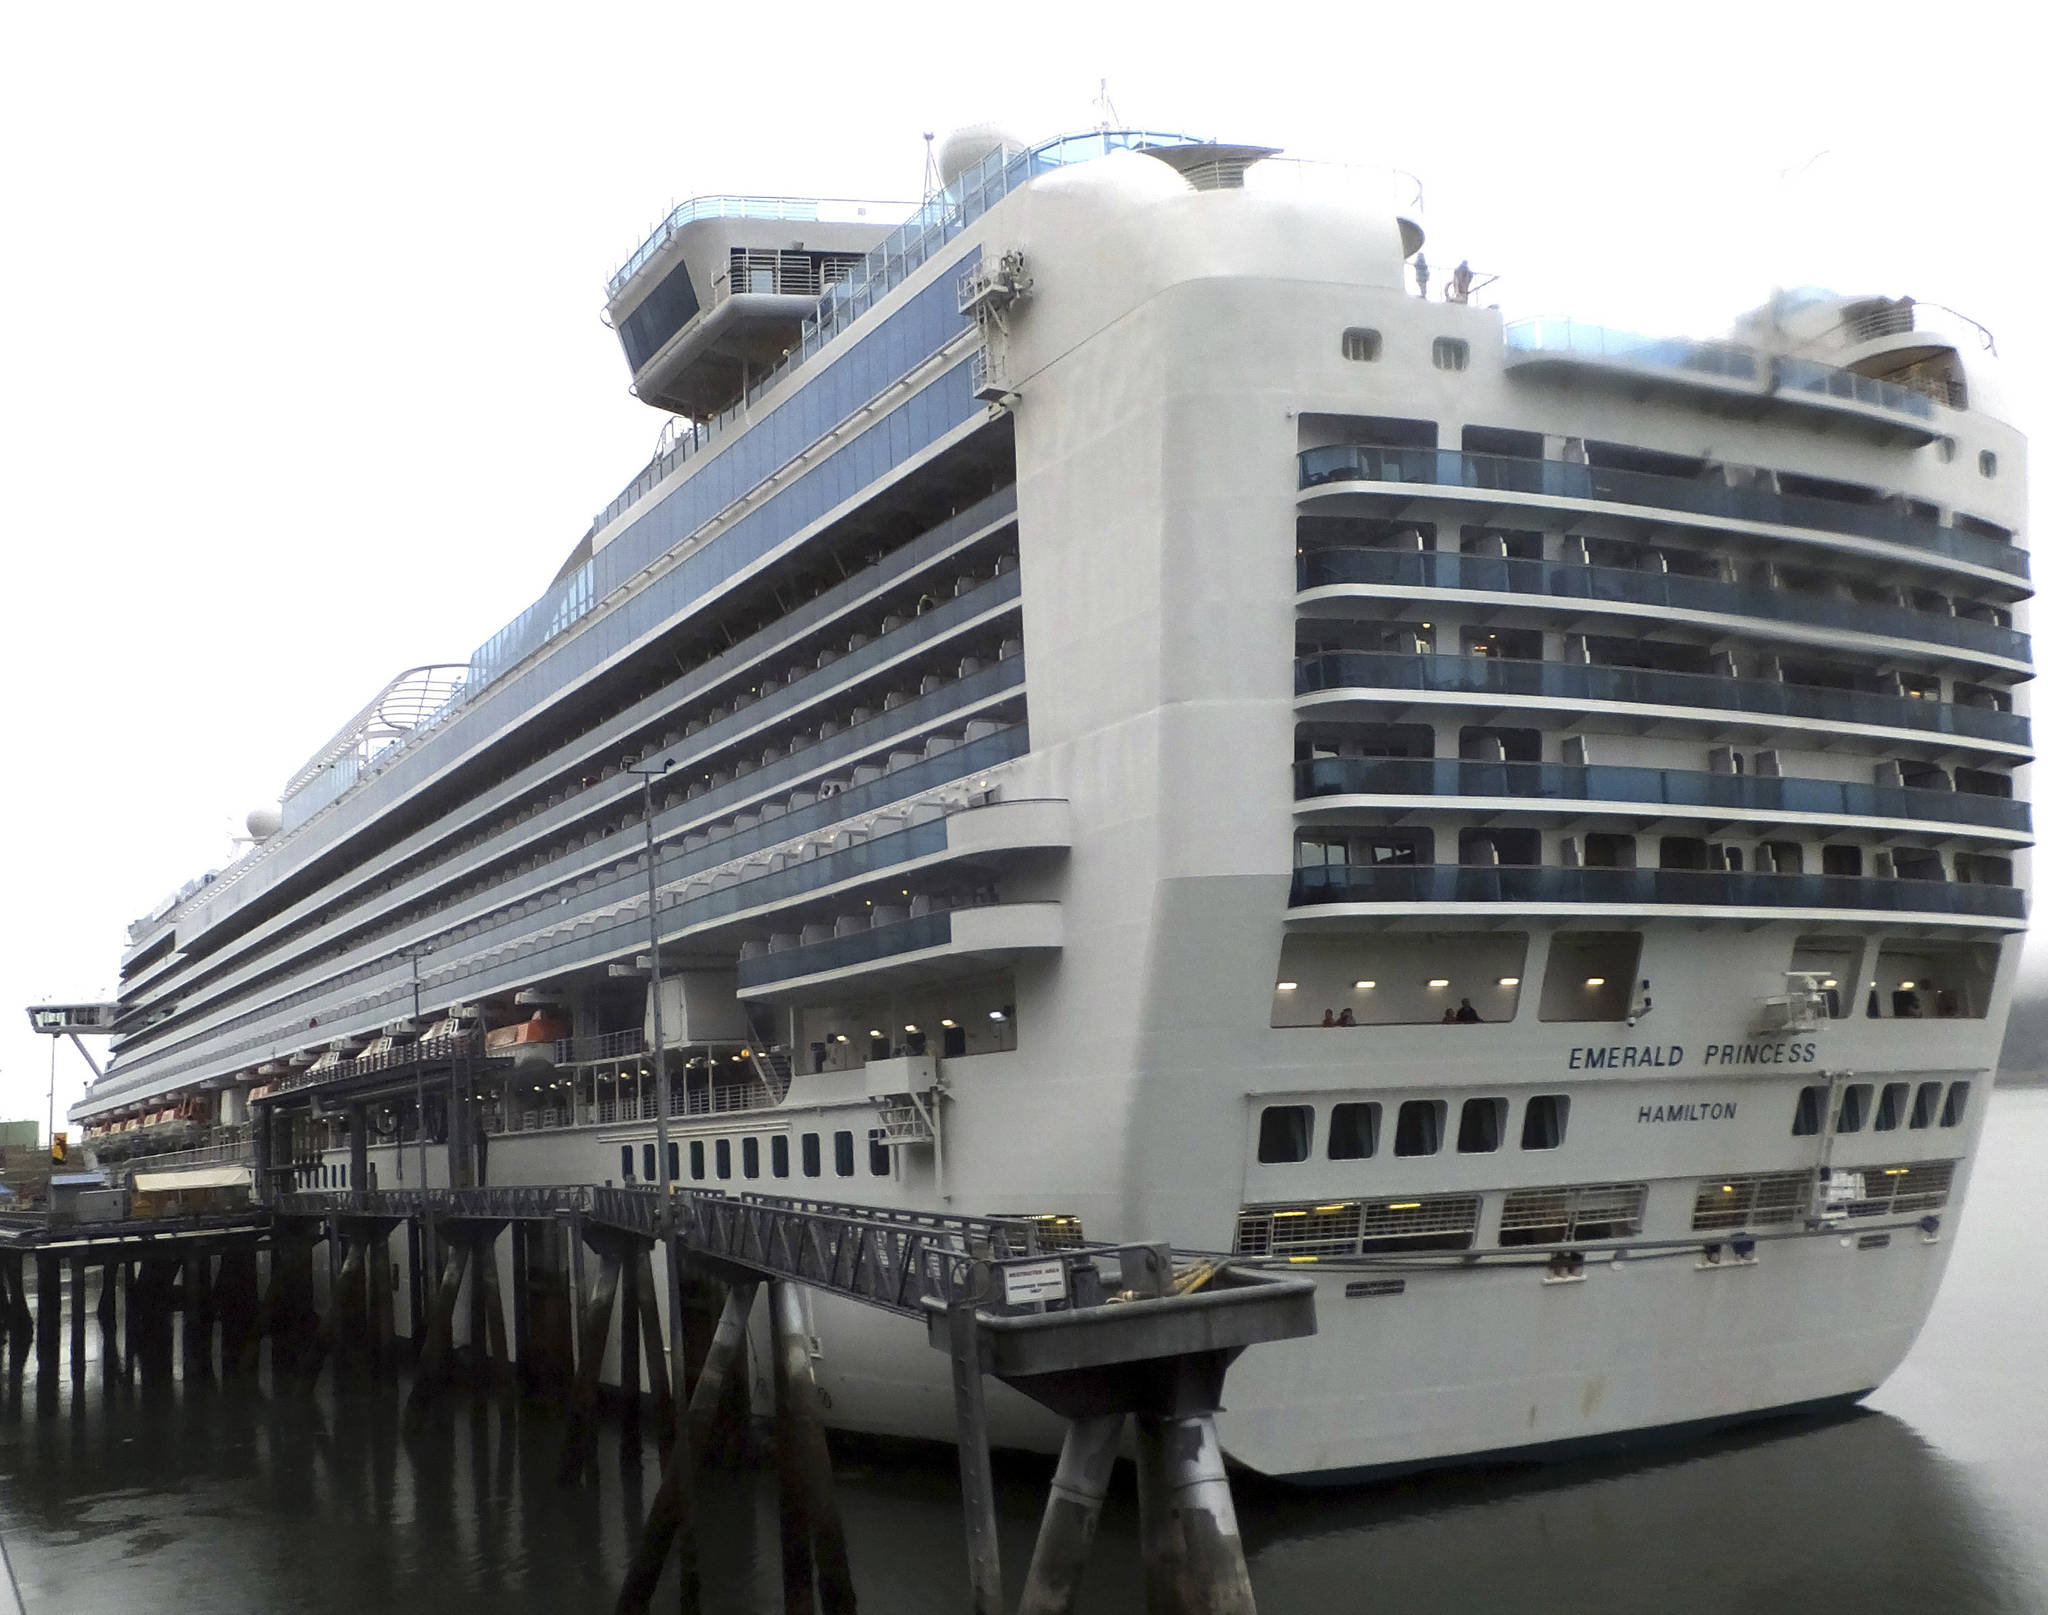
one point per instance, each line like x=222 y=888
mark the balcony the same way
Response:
x=950 y=942
x=1733 y=377
x=1651 y=889
x=1375 y=675
x=1661 y=591
x=1751 y=795
x=1641 y=492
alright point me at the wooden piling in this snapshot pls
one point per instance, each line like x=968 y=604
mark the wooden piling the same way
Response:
x=581 y=1439
x=439 y=1345
x=498 y=1364
x=813 y=1532
x=49 y=1312
x=671 y=1516
x=657 y=1358
x=78 y=1310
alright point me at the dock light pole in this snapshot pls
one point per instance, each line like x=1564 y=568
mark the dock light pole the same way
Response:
x=419 y=1073
x=649 y=773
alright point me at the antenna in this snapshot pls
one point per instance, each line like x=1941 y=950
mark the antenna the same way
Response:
x=1106 y=118
x=931 y=165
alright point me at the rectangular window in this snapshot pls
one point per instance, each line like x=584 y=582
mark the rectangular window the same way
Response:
x=813 y=1165
x=1354 y=1131
x=1891 y=1106
x=1855 y=1106
x=1926 y=1104
x=697 y=1159
x=1958 y=1102
x=721 y=1152
x=1811 y=1107
x=626 y=1162
x=675 y=1168
x=1480 y=1125
x=1544 y=1119
x=1284 y=1132
x=1419 y=1127
x=648 y=1169
x=842 y=1154
x=778 y=1155
x=1361 y=343
x=750 y=1157
x=1450 y=353
x=878 y=1156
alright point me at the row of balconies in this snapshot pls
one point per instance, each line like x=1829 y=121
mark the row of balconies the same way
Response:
x=1501 y=480
x=570 y=817
x=1720 y=699
x=1577 y=588
x=1580 y=789
x=604 y=915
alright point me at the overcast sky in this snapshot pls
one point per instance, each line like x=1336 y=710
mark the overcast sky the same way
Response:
x=304 y=381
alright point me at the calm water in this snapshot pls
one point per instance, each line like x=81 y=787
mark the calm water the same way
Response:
x=1930 y=1500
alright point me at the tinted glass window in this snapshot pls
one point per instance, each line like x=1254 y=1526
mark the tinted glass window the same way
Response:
x=1354 y=1131
x=626 y=1161
x=1284 y=1132
x=878 y=1156
x=648 y=1170
x=778 y=1156
x=697 y=1158
x=1926 y=1104
x=722 y=1153
x=1480 y=1125
x=1855 y=1106
x=1419 y=1127
x=842 y=1154
x=750 y=1157
x=1958 y=1101
x=1806 y=1116
x=1543 y=1121
x=1891 y=1106
x=812 y=1165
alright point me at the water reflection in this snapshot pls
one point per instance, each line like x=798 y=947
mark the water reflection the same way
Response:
x=254 y=1495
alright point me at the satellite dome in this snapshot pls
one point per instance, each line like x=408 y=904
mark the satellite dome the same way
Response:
x=264 y=822
x=968 y=145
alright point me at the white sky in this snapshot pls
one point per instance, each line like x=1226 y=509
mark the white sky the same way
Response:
x=302 y=381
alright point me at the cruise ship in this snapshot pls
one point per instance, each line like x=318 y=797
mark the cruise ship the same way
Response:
x=1155 y=708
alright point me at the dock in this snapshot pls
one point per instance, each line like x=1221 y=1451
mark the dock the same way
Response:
x=1129 y=1345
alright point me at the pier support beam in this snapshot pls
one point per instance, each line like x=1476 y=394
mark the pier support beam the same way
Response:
x=581 y=1441
x=1194 y=1557
x=1073 y=1510
x=671 y=1518
x=977 y=1485
x=78 y=1310
x=49 y=1312
x=813 y=1535
x=439 y=1345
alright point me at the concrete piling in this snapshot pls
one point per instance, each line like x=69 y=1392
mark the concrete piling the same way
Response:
x=1073 y=1510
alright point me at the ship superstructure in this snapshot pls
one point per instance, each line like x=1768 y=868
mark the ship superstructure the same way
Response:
x=1155 y=712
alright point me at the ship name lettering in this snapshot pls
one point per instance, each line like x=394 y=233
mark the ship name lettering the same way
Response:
x=1624 y=1056
x=1761 y=1053
x=1709 y=1110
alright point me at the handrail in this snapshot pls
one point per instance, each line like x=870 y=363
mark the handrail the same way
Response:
x=784 y=209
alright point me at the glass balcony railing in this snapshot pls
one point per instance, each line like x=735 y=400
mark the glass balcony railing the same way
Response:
x=1494 y=473
x=1432 y=569
x=1556 y=336
x=1371 y=671
x=1737 y=793
x=1696 y=888
x=860 y=947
